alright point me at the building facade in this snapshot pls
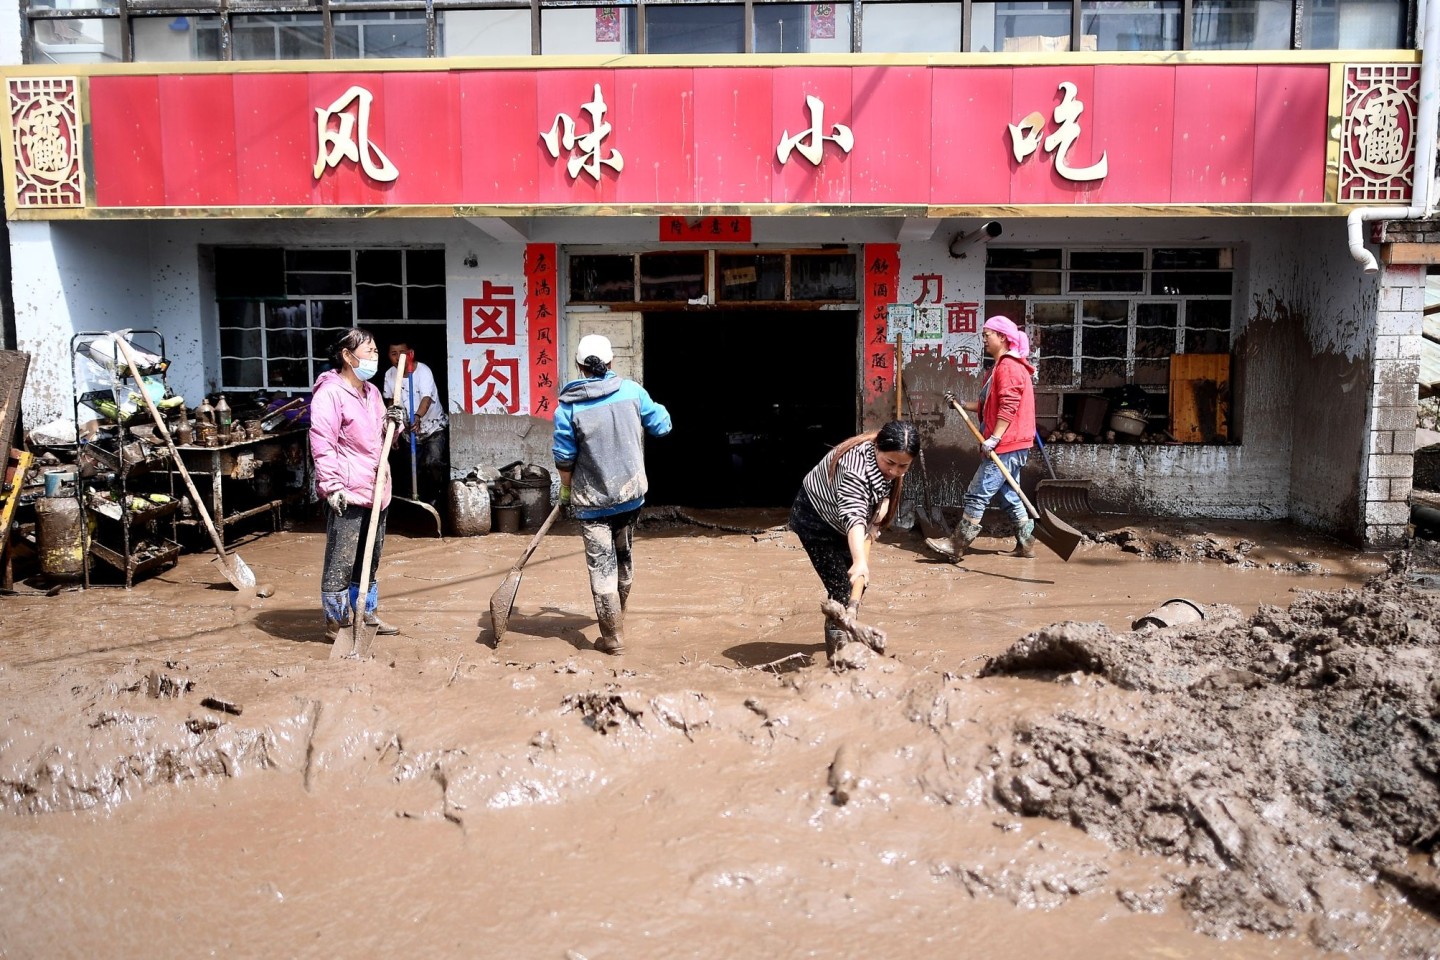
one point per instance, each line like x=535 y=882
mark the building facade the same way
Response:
x=765 y=206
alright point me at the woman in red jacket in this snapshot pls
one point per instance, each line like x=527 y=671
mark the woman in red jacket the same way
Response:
x=1007 y=417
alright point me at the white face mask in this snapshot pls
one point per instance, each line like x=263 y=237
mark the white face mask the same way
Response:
x=367 y=368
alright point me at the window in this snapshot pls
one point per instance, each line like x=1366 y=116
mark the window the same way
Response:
x=715 y=276
x=274 y=30
x=279 y=309
x=1105 y=319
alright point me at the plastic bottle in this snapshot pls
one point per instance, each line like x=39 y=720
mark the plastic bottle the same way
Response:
x=205 y=413
x=222 y=414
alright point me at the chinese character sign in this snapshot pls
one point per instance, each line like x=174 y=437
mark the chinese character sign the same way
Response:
x=584 y=149
x=490 y=317
x=343 y=133
x=810 y=142
x=1378 y=143
x=705 y=229
x=541 y=301
x=492 y=384
x=882 y=280
x=44 y=118
x=1025 y=138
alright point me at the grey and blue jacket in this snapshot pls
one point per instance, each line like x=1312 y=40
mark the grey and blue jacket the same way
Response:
x=600 y=427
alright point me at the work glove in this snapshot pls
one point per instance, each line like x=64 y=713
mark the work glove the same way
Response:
x=564 y=494
x=396 y=415
x=990 y=444
x=949 y=396
x=338 y=502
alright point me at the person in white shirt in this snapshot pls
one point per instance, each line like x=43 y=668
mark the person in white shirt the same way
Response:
x=428 y=422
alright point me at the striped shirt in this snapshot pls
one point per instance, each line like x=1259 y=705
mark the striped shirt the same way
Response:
x=853 y=496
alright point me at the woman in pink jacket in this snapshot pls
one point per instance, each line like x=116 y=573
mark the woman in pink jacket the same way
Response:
x=347 y=433
x=1007 y=417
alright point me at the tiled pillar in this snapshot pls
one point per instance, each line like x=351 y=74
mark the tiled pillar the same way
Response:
x=1394 y=401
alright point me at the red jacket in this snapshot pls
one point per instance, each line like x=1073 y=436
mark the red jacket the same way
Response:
x=1011 y=396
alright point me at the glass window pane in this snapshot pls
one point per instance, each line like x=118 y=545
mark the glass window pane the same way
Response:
x=485 y=33
x=912 y=27
x=241 y=373
x=278 y=36
x=802 y=28
x=155 y=39
x=822 y=276
x=378 y=266
x=241 y=343
x=1027 y=26
x=1241 y=25
x=377 y=34
x=1152 y=373
x=1191 y=258
x=602 y=279
x=695 y=28
x=1207 y=314
x=338 y=260
x=425 y=303
x=1207 y=341
x=289 y=372
x=379 y=302
x=671 y=277
x=1353 y=25
x=1172 y=284
x=334 y=314
x=1135 y=25
x=587 y=30
x=750 y=277
x=317 y=284
x=425 y=266
x=256 y=272
x=75 y=41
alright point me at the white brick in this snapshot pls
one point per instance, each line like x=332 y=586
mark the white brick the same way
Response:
x=1400 y=488
x=1409 y=346
x=1391 y=298
x=1377 y=488
x=1387 y=348
x=1387 y=513
x=1391 y=465
x=1397 y=322
x=1385 y=536
x=1382 y=441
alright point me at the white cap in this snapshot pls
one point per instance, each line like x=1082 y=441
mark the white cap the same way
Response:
x=594 y=345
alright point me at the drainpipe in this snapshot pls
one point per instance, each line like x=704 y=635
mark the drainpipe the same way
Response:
x=1422 y=192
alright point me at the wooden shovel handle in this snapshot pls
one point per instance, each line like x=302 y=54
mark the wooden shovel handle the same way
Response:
x=1030 y=507
x=358 y=615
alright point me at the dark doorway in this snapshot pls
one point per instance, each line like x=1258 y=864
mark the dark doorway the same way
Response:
x=429 y=343
x=757 y=398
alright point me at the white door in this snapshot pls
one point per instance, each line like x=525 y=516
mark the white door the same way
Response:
x=624 y=333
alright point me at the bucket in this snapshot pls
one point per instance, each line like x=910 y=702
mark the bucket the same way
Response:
x=1171 y=613
x=60 y=537
x=534 y=503
x=507 y=518
x=469 y=509
x=56 y=478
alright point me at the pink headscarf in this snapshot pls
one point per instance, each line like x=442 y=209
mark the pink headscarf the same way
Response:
x=1014 y=336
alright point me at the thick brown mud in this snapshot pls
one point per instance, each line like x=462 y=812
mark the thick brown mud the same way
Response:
x=184 y=771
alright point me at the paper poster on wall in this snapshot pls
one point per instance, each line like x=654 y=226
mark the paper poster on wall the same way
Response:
x=929 y=323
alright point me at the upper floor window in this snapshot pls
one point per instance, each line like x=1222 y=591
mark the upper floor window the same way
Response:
x=98 y=31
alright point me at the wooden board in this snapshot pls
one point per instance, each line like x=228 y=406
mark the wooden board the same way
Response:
x=14 y=366
x=1200 y=397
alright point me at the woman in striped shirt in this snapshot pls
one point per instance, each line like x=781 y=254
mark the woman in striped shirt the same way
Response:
x=841 y=502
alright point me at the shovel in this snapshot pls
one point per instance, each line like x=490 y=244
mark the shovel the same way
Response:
x=502 y=601
x=1062 y=496
x=240 y=575
x=414 y=498
x=932 y=524
x=1050 y=530
x=846 y=617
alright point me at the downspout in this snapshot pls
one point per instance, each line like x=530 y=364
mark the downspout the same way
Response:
x=1423 y=189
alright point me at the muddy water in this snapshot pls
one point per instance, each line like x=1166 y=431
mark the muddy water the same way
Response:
x=713 y=793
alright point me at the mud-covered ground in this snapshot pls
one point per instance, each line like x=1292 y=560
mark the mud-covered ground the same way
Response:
x=184 y=771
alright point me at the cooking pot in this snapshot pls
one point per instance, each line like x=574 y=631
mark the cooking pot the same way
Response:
x=1131 y=422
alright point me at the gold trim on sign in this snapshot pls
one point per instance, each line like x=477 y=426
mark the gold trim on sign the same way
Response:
x=1334 y=131
x=7 y=164
x=758 y=60
x=1077 y=211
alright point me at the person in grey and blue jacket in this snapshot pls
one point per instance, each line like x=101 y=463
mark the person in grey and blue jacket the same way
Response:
x=600 y=426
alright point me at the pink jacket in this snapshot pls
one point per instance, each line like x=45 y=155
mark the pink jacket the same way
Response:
x=347 y=435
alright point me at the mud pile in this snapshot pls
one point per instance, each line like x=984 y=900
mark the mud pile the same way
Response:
x=1295 y=754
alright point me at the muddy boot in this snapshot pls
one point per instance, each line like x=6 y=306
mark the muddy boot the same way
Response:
x=612 y=624
x=337 y=613
x=624 y=593
x=953 y=547
x=1025 y=539
x=382 y=629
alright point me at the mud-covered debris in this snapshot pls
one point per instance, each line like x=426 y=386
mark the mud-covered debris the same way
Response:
x=685 y=712
x=223 y=706
x=162 y=686
x=604 y=712
x=842 y=775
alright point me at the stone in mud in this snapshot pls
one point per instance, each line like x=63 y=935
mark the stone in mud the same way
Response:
x=265 y=590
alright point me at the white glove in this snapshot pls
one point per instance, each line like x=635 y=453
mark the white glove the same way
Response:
x=338 y=502
x=990 y=444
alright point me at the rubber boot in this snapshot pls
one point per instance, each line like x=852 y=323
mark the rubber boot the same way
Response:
x=612 y=624
x=372 y=618
x=1025 y=539
x=337 y=613
x=954 y=546
x=625 y=593
x=382 y=629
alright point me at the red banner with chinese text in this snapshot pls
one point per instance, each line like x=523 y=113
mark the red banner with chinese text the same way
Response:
x=541 y=302
x=882 y=282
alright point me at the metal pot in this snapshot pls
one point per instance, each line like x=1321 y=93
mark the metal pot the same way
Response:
x=1131 y=422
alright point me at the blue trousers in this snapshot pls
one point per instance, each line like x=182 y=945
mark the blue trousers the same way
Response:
x=988 y=481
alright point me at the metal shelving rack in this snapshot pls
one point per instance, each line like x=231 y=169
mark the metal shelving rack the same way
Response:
x=124 y=458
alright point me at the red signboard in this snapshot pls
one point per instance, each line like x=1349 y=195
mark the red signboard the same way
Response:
x=832 y=136
x=542 y=301
x=705 y=229
x=882 y=285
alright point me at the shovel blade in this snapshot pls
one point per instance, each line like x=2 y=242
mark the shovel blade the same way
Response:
x=1056 y=534
x=502 y=601
x=344 y=645
x=237 y=571
x=434 y=514
x=1070 y=497
x=364 y=636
